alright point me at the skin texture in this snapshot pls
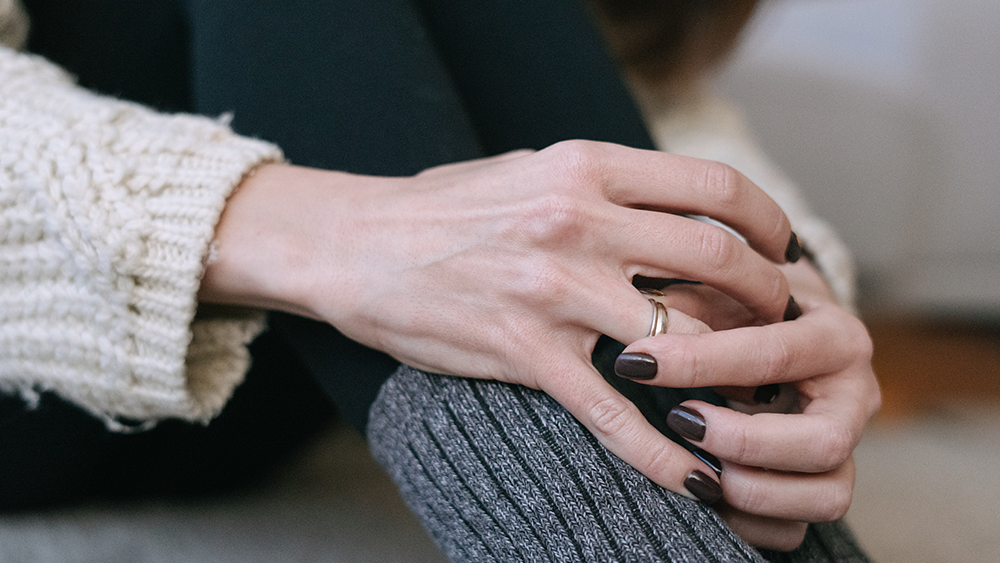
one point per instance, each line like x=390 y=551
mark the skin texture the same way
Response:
x=510 y=268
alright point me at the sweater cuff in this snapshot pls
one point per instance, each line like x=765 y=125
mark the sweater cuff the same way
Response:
x=186 y=365
x=108 y=212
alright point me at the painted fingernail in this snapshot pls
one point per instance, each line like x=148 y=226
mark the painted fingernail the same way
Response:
x=792 y=310
x=708 y=490
x=766 y=394
x=687 y=422
x=635 y=366
x=794 y=250
x=709 y=460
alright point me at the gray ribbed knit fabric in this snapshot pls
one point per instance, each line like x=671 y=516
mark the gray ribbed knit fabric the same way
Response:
x=498 y=472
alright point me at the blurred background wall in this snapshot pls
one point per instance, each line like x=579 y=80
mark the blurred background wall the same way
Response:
x=887 y=113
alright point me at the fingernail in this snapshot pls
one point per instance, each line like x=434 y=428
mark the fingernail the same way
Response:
x=794 y=250
x=704 y=487
x=766 y=394
x=687 y=422
x=636 y=366
x=709 y=460
x=792 y=310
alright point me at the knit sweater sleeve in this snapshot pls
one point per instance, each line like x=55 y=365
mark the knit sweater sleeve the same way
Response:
x=705 y=127
x=107 y=212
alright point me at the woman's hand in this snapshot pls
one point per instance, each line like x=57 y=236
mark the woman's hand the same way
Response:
x=780 y=469
x=508 y=268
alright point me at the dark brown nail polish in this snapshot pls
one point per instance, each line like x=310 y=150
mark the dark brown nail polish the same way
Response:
x=709 y=460
x=792 y=310
x=794 y=250
x=635 y=366
x=766 y=394
x=704 y=487
x=687 y=422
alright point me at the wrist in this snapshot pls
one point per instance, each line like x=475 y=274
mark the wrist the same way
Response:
x=265 y=249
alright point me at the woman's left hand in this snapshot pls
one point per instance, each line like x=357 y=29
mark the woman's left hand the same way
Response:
x=781 y=470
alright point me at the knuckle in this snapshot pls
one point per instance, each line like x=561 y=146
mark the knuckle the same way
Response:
x=751 y=497
x=792 y=538
x=874 y=399
x=718 y=248
x=723 y=184
x=549 y=219
x=577 y=162
x=862 y=343
x=659 y=462
x=778 y=363
x=745 y=446
x=612 y=416
x=837 y=501
x=543 y=283
x=856 y=341
x=780 y=289
x=835 y=447
x=686 y=368
x=780 y=229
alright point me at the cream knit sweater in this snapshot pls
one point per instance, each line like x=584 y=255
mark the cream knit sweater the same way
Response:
x=107 y=211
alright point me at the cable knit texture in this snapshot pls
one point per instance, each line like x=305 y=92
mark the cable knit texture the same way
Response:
x=107 y=211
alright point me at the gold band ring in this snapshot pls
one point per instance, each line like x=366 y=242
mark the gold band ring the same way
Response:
x=659 y=324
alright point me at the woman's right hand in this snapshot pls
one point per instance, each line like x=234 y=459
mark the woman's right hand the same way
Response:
x=508 y=268
x=789 y=461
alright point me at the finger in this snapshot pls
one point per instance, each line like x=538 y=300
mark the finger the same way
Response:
x=677 y=184
x=699 y=252
x=640 y=367
x=621 y=428
x=817 y=497
x=716 y=309
x=608 y=306
x=635 y=315
x=811 y=442
x=764 y=532
x=824 y=340
x=698 y=302
x=701 y=301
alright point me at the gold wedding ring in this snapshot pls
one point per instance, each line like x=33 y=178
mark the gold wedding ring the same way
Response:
x=659 y=324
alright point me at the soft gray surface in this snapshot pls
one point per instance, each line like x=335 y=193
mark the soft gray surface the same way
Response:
x=927 y=491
